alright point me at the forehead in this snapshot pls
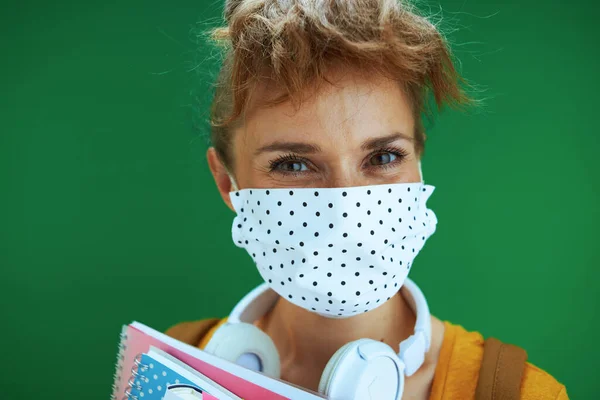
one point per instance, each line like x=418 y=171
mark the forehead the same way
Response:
x=352 y=108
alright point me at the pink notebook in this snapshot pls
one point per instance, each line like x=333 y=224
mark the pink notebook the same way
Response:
x=137 y=338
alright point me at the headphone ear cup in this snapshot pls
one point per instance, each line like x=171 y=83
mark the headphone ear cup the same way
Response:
x=238 y=341
x=362 y=369
x=324 y=383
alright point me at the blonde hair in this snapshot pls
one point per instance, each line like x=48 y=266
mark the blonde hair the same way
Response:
x=293 y=43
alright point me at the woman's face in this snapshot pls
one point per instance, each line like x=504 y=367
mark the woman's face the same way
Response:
x=358 y=133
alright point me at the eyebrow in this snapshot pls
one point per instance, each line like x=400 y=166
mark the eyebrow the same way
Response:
x=309 y=148
x=292 y=147
x=384 y=141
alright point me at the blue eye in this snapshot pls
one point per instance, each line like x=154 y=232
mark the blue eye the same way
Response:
x=383 y=158
x=292 y=166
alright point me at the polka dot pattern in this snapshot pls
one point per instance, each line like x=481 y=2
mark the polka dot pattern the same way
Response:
x=334 y=251
x=153 y=378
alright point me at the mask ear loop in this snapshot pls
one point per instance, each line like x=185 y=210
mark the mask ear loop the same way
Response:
x=232 y=179
x=420 y=172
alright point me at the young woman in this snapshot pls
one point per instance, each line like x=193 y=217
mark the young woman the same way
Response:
x=317 y=137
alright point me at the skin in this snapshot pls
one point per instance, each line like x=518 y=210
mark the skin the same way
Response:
x=356 y=132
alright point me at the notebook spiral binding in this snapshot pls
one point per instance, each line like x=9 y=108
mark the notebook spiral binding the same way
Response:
x=135 y=379
x=119 y=364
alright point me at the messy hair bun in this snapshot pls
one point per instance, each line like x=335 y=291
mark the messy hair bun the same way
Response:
x=293 y=43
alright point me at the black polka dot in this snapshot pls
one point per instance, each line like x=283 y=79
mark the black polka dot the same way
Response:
x=315 y=283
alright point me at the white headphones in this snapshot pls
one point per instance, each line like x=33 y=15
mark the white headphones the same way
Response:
x=362 y=369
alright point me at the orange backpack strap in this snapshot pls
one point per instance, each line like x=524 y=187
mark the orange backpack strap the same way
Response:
x=192 y=332
x=501 y=371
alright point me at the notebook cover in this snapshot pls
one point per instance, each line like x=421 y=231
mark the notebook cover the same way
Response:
x=245 y=383
x=152 y=383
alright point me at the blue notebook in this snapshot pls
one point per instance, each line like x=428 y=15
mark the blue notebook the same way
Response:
x=156 y=370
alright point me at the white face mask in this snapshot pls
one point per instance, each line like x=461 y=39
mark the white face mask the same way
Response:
x=334 y=251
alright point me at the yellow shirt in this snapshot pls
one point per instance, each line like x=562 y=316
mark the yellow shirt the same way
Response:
x=457 y=370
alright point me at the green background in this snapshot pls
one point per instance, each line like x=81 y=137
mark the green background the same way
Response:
x=108 y=212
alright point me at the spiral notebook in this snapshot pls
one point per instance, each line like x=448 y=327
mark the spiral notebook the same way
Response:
x=156 y=370
x=137 y=338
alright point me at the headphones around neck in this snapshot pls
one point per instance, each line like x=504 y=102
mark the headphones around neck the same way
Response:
x=362 y=369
